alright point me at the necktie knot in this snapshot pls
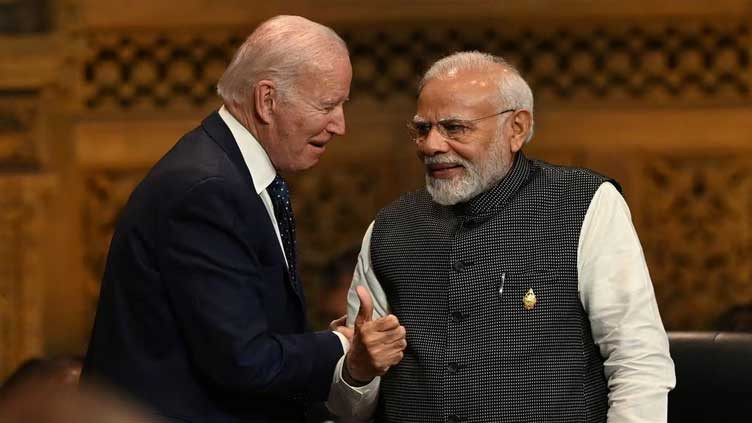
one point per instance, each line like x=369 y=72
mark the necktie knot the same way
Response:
x=278 y=188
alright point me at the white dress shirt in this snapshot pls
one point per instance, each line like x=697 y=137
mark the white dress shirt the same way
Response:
x=258 y=163
x=616 y=293
x=263 y=174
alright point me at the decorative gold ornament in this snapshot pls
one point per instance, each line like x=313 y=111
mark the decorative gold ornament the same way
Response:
x=529 y=300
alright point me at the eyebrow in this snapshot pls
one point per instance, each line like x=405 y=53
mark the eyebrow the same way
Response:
x=334 y=102
x=420 y=119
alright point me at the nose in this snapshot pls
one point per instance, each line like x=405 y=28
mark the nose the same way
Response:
x=337 y=123
x=433 y=144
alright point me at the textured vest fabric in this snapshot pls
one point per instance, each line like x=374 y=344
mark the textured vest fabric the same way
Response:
x=456 y=277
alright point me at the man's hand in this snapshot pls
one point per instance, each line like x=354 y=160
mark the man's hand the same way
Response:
x=376 y=345
x=340 y=326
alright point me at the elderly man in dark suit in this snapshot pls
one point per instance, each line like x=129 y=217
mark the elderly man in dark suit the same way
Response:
x=201 y=312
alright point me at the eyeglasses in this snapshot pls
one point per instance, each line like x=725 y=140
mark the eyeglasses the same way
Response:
x=453 y=129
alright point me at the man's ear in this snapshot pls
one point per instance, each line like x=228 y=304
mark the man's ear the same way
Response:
x=264 y=99
x=522 y=124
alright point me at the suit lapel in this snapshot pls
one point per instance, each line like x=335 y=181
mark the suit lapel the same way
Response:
x=220 y=133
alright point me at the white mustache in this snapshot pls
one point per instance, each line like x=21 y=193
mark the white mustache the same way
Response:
x=445 y=159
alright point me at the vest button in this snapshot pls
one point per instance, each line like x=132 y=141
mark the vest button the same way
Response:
x=457 y=316
x=459 y=266
x=452 y=368
x=453 y=419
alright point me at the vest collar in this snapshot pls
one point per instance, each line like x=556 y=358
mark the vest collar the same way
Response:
x=498 y=195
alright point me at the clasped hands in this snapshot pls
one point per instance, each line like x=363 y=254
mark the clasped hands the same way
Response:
x=375 y=345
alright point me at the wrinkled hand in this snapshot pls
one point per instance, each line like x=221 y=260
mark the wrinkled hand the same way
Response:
x=377 y=345
x=340 y=325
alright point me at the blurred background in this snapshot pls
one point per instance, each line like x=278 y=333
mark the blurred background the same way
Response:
x=655 y=94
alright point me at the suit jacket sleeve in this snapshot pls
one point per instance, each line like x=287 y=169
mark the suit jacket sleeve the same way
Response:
x=215 y=284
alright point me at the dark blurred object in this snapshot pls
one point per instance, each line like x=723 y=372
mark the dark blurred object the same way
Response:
x=736 y=319
x=24 y=16
x=46 y=391
x=713 y=377
x=64 y=370
x=337 y=277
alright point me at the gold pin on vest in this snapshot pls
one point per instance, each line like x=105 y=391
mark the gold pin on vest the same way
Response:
x=529 y=300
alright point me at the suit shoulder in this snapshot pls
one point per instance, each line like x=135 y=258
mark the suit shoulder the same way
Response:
x=194 y=158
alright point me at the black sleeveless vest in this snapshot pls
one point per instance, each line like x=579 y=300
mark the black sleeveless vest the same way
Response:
x=481 y=348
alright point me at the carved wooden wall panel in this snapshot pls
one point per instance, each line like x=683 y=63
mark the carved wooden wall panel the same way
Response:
x=154 y=70
x=696 y=226
x=23 y=228
x=692 y=62
x=19 y=147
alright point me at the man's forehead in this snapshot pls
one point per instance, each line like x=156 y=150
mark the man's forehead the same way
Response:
x=327 y=84
x=437 y=104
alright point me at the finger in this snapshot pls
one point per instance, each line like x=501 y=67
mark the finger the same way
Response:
x=384 y=337
x=365 y=313
x=390 y=361
x=386 y=323
x=399 y=344
x=344 y=330
x=394 y=336
x=338 y=322
x=393 y=359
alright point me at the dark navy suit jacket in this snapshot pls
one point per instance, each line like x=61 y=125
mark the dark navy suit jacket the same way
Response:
x=197 y=317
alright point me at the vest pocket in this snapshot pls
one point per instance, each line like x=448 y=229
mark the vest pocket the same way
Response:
x=529 y=307
x=526 y=291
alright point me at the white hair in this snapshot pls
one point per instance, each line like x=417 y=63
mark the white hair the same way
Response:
x=281 y=49
x=514 y=92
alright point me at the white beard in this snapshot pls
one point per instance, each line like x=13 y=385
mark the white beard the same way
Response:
x=476 y=179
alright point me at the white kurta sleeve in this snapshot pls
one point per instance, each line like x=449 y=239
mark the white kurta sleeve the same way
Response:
x=617 y=294
x=344 y=400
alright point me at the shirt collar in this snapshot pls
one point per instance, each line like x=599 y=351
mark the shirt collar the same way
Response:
x=255 y=157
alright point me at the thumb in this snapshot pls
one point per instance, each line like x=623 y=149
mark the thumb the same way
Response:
x=365 y=313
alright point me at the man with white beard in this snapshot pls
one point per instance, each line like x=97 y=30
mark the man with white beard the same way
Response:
x=522 y=285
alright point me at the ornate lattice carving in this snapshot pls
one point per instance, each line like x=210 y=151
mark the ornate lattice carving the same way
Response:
x=155 y=70
x=672 y=62
x=23 y=205
x=696 y=226
x=17 y=115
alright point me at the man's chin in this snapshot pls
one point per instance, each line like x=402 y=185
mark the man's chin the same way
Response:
x=441 y=192
x=310 y=164
x=301 y=165
x=449 y=192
